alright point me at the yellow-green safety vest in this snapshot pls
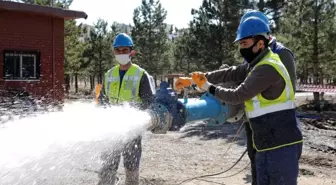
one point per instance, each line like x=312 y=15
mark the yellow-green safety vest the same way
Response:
x=128 y=91
x=258 y=105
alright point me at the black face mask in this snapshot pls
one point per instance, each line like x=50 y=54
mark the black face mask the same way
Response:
x=248 y=54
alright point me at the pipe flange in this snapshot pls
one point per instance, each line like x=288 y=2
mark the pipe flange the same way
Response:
x=161 y=119
x=239 y=116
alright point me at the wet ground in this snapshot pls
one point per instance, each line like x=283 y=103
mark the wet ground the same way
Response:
x=171 y=158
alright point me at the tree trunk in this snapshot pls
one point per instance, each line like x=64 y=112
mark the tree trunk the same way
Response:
x=91 y=82
x=76 y=83
x=100 y=79
x=317 y=101
x=67 y=83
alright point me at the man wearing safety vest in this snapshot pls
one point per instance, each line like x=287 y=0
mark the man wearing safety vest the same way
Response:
x=125 y=82
x=287 y=58
x=268 y=95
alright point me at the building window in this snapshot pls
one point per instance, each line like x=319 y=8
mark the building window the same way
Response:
x=20 y=65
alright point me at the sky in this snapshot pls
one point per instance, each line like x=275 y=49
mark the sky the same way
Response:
x=121 y=11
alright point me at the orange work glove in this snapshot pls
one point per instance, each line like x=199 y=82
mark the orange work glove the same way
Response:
x=200 y=79
x=183 y=82
x=98 y=90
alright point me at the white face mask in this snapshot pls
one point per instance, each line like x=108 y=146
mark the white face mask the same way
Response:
x=123 y=59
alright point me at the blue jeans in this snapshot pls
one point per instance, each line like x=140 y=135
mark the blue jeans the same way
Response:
x=279 y=166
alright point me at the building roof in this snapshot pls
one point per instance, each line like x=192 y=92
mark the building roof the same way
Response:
x=42 y=10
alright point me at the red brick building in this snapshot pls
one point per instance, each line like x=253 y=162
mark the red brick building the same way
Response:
x=32 y=48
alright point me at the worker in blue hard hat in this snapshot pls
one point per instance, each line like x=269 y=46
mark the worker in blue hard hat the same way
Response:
x=287 y=58
x=268 y=95
x=124 y=83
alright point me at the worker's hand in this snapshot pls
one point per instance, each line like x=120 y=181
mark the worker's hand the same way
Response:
x=183 y=82
x=200 y=79
x=98 y=90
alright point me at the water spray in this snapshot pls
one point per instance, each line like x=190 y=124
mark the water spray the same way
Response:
x=80 y=124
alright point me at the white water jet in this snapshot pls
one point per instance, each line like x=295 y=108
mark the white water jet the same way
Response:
x=30 y=139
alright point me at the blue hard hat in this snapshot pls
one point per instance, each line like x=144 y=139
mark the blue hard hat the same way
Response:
x=252 y=26
x=122 y=40
x=255 y=13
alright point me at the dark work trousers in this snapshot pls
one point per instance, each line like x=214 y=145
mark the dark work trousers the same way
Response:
x=251 y=152
x=292 y=163
x=131 y=153
x=278 y=166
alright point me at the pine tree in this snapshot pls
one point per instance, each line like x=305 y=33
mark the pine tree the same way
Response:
x=150 y=37
x=99 y=51
x=71 y=53
x=214 y=26
x=184 y=51
x=314 y=23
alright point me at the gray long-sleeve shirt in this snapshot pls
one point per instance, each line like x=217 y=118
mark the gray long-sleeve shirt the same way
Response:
x=263 y=79
x=146 y=93
x=287 y=59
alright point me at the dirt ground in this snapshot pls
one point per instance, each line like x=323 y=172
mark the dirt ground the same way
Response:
x=196 y=150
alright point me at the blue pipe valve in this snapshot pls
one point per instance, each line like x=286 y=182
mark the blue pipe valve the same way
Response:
x=169 y=112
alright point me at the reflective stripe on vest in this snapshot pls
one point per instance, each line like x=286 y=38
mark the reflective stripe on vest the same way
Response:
x=129 y=88
x=258 y=105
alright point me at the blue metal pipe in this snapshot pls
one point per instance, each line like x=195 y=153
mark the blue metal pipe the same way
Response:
x=205 y=108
